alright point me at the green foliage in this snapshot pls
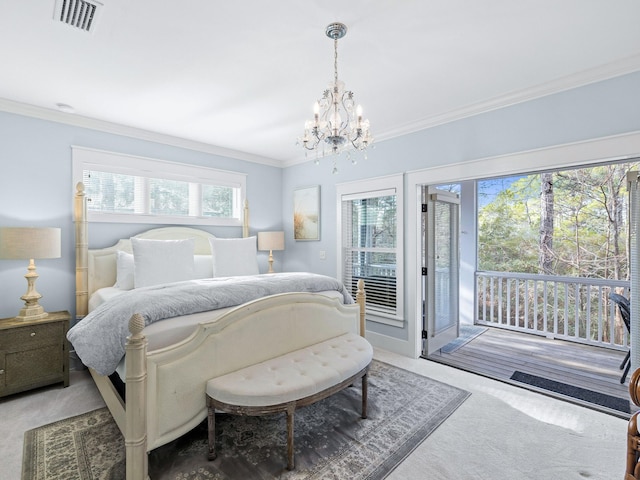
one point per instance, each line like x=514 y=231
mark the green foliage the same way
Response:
x=590 y=223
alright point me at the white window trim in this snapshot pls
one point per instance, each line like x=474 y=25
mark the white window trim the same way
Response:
x=376 y=187
x=91 y=159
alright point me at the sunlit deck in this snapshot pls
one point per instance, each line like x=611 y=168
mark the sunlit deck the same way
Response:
x=498 y=353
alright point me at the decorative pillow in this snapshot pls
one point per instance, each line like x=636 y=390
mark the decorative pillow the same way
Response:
x=234 y=256
x=203 y=266
x=162 y=261
x=124 y=270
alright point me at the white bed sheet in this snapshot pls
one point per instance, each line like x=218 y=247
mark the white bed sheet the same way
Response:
x=171 y=330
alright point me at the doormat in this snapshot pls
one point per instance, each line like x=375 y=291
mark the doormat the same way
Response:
x=467 y=333
x=597 y=398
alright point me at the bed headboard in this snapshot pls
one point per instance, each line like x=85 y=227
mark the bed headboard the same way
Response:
x=102 y=262
x=97 y=268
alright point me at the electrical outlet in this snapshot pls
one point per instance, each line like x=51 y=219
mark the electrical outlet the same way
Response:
x=323 y=255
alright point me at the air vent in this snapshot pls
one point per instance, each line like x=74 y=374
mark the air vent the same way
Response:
x=77 y=13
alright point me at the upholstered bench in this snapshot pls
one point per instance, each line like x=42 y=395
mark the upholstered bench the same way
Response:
x=289 y=381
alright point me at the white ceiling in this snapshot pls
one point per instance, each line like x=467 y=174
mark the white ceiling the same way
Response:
x=243 y=75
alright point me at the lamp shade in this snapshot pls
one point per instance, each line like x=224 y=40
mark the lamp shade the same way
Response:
x=270 y=240
x=29 y=243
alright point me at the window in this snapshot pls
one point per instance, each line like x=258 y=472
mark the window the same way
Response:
x=371 y=244
x=129 y=189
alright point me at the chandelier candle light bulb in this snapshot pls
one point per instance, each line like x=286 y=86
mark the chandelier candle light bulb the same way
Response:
x=337 y=126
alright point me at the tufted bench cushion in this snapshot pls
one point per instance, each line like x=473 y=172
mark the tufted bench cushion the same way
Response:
x=292 y=380
x=294 y=375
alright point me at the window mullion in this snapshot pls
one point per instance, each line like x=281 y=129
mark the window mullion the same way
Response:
x=141 y=196
x=195 y=200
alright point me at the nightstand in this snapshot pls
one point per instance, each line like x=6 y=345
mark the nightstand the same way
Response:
x=33 y=353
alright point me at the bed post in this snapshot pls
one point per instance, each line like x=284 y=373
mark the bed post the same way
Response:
x=137 y=466
x=245 y=219
x=361 y=298
x=82 y=252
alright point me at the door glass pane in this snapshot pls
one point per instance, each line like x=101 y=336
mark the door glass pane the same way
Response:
x=446 y=265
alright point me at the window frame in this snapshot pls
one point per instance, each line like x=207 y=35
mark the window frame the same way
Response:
x=371 y=188
x=120 y=163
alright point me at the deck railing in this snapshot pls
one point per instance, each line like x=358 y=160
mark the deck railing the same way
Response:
x=567 y=308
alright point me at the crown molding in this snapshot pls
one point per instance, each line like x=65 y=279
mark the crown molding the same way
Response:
x=18 y=108
x=586 y=77
x=604 y=72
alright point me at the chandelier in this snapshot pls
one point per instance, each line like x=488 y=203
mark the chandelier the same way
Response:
x=337 y=124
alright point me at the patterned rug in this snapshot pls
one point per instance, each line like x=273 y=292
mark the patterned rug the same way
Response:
x=331 y=440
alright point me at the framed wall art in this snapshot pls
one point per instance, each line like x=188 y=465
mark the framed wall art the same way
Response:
x=306 y=213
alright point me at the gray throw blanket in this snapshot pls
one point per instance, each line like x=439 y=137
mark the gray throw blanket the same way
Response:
x=99 y=338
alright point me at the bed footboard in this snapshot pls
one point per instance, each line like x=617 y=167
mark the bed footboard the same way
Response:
x=166 y=388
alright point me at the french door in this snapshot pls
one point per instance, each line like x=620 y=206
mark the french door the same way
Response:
x=440 y=226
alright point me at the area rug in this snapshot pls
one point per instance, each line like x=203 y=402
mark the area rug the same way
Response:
x=597 y=398
x=467 y=333
x=331 y=440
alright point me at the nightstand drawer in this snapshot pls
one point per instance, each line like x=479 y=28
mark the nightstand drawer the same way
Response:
x=33 y=353
x=31 y=336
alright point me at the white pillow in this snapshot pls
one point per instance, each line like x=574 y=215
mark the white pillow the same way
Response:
x=234 y=256
x=124 y=270
x=162 y=261
x=202 y=266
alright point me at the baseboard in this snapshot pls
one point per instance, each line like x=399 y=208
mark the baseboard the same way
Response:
x=394 y=345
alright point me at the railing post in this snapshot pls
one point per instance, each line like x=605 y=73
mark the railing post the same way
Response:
x=526 y=302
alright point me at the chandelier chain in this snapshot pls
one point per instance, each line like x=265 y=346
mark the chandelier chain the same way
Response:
x=335 y=61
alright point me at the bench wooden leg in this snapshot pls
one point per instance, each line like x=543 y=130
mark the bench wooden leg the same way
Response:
x=212 y=432
x=365 y=388
x=290 y=460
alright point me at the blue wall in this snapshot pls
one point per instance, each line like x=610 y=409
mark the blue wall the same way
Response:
x=597 y=110
x=36 y=186
x=36 y=190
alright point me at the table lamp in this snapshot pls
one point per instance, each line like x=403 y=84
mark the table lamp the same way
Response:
x=22 y=243
x=270 y=241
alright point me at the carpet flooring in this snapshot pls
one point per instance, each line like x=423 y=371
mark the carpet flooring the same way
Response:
x=331 y=440
x=609 y=401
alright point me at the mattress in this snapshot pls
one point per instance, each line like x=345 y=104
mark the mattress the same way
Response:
x=171 y=330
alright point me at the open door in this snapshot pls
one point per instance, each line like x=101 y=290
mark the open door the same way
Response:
x=440 y=268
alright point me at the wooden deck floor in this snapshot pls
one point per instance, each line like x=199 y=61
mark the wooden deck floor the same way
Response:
x=498 y=353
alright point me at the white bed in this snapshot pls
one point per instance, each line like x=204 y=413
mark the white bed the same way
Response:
x=166 y=373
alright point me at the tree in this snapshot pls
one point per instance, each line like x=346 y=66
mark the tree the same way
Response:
x=570 y=223
x=546 y=224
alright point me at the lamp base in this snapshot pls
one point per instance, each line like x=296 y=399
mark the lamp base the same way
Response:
x=271 y=262
x=33 y=312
